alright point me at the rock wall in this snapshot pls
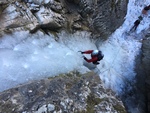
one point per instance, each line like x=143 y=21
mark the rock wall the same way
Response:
x=146 y=66
x=108 y=16
x=101 y=17
x=67 y=93
x=62 y=94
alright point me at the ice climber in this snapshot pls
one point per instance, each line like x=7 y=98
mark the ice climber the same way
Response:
x=145 y=10
x=136 y=23
x=96 y=55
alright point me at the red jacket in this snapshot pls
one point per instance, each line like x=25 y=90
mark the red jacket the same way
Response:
x=93 y=58
x=144 y=11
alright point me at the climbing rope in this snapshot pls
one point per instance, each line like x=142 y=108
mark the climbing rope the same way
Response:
x=112 y=62
x=117 y=74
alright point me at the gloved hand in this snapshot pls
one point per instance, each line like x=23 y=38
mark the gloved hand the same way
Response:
x=84 y=58
x=81 y=52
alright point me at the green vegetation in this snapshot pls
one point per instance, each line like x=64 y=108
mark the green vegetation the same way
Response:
x=119 y=108
x=71 y=78
x=91 y=102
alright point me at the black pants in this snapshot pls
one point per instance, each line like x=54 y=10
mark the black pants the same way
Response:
x=96 y=62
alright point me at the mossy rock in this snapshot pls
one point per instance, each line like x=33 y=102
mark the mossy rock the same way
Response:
x=119 y=108
x=91 y=102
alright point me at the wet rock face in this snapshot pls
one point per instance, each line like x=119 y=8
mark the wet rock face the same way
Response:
x=16 y=16
x=70 y=93
x=146 y=66
x=108 y=16
x=101 y=17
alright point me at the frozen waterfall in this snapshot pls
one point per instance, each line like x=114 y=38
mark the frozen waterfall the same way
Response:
x=25 y=57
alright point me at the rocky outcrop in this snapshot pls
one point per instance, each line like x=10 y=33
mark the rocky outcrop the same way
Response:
x=66 y=93
x=16 y=16
x=146 y=66
x=108 y=16
x=101 y=17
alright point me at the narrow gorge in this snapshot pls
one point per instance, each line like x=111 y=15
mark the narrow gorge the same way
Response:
x=41 y=69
